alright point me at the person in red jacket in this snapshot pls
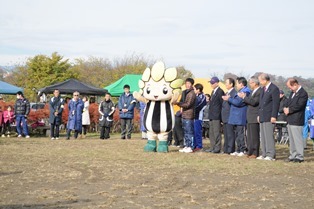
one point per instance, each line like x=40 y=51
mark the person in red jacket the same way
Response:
x=1 y=121
x=8 y=117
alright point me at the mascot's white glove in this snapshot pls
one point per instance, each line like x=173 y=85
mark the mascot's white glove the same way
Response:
x=139 y=97
x=175 y=97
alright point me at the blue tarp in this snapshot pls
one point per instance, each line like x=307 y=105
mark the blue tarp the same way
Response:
x=6 y=88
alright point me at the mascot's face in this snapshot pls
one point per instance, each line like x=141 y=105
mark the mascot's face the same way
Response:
x=158 y=83
x=157 y=91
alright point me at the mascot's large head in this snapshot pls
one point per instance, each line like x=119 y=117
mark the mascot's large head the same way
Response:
x=159 y=84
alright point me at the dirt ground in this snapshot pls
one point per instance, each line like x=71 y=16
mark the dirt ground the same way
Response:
x=93 y=173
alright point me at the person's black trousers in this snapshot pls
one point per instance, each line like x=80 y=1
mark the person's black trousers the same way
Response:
x=104 y=132
x=253 y=139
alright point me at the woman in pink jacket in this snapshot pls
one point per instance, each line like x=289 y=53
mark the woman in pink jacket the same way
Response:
x=8 y=117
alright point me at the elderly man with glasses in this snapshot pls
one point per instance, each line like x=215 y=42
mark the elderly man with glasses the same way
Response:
x=76 y=107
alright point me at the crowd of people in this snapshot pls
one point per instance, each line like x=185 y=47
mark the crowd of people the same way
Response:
x=247 y=114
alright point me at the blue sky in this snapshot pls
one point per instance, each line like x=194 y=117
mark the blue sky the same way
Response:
x=206 y=36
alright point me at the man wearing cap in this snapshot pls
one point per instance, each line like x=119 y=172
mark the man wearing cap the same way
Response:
x=215 y=116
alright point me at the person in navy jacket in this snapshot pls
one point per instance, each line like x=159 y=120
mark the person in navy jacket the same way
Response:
x=267 y=116
x=229 y=140
x=198 y=116
x=126 y=107
x=295 y=111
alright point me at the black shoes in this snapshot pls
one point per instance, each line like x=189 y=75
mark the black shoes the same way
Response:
x=123 y=137
x=295 y=160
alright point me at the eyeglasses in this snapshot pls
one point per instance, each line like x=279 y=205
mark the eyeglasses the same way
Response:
x=76 y=95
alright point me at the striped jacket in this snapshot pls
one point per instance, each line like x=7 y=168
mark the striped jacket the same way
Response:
x=159 y=116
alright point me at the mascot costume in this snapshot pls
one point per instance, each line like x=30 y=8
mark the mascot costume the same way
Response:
x=159 y=88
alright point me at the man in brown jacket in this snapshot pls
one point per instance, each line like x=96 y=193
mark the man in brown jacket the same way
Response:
x=187 y=105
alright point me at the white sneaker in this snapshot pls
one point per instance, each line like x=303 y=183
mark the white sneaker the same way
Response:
x=3 y=135
x=52 y=138
x=182 y=150
x=234 y=154
x=188 y=150
x=241 y=154
x=19 y=136
x=27 y=137
x=260 y=158
x=57 y=138
x=269 y=158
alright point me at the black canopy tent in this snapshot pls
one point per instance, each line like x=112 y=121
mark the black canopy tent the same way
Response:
x=72 y=85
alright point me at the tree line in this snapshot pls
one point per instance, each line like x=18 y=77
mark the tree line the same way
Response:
x=43 y=70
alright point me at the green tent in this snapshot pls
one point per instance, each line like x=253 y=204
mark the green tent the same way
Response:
x=116 y=88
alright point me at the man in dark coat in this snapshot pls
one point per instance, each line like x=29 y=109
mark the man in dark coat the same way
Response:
x=106 y=109
x=267 y=116
x=295 y=111
x=229 y=138
x=76 y=107
x=21 y=111
x=215 y=116
x=253 y=133
x=56 y=105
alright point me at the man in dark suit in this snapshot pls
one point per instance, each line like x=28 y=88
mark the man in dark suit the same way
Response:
x=229 y=140
x=215 y=116
x=253 y=133
x=295 y=110
x=267 y=116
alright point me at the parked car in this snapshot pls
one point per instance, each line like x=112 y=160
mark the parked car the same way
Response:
x=36 y=106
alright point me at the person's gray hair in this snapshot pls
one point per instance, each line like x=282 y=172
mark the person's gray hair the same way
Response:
x=264 y=76
x=254 y=80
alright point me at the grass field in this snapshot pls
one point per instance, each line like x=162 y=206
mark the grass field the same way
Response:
x=92 y=173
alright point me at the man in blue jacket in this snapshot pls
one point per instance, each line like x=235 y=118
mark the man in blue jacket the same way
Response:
x=237 y=116
x=198 y=116
x=126 y=107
